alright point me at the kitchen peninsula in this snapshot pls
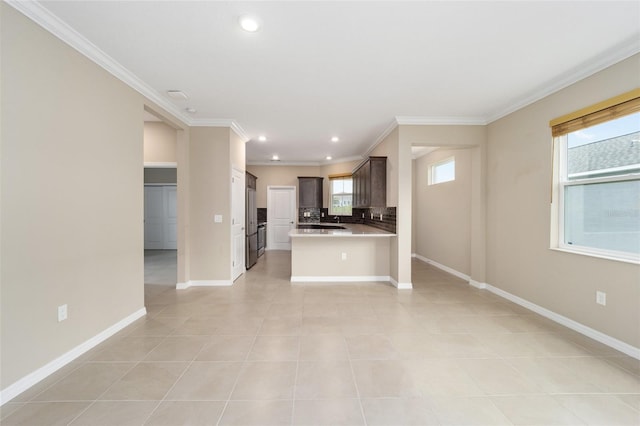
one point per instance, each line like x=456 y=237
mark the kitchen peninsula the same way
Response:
x=354 y=253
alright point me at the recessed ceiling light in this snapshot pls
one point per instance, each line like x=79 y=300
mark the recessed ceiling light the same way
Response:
x=249 y=23
x=335 y=139
x=177 y=94
x=329 y=157
x=275 y=158
x=191 y=110
x=262 y=138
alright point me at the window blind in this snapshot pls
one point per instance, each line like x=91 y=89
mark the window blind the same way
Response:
x=613 y=108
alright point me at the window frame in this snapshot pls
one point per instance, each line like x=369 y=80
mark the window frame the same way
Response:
x=561 y=183
x=331 y=194
x=432 y=170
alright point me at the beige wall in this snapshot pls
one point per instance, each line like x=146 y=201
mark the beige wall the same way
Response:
x=519 y=260
x=443 y=211
x=280 y=176
x=184 y=205
x=238 y=151
x=389 y=147
x=288 y=176
x=366 y=256
x=210 y=194
x=159 y=143
x=71 y=229
x=453 y=136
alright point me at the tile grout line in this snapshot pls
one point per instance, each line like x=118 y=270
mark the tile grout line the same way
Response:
x=174 y=383
x=135 y=364
x=355 y=383
x=295 y=377
x=244 y=365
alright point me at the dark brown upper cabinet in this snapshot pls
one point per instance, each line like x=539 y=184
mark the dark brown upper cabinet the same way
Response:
x=309 y=192
x=370 y=183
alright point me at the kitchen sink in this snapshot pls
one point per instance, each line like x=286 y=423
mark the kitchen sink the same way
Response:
x=318 y=226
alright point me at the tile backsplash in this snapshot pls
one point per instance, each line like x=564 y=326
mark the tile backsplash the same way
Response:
x=369 y=216
x=309 y=215
x=330 y=219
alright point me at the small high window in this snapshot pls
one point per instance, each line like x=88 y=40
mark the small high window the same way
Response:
x=442 y=171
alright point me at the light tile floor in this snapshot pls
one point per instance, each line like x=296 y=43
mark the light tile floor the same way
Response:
x=160 y=267
x=265 y=352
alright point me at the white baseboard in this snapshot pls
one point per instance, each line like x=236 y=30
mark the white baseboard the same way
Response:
x=203 y=283
x=31 y=379
x=476 y=284
x=334 y=279
x=605 y=339
x=401 y=286
x=443 y=267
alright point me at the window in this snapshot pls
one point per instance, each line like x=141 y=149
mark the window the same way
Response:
x=442 y=171
x=599 y=182
x=341 y=195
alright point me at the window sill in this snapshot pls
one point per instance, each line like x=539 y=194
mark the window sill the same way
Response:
x=597 y=255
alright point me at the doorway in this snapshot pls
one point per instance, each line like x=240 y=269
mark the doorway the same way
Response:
x=281 y=205
x=160 y=201
x=160 y=217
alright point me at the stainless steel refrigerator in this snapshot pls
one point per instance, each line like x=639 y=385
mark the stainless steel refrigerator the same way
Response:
x=251 y=229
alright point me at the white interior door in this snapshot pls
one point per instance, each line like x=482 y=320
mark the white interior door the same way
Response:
x=237 y=222
x=153 y=218
x=171 y=217
x=281 y=205
x=160 y=217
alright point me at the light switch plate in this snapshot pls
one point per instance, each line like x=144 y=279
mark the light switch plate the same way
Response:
x=62 y=313
x=217 y=218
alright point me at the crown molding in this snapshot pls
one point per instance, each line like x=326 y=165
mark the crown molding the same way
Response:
x=617 y=54
x=343 y=160
x=425 y=121
x=440 y=121
x=390 y=127
x=220 y=122
x=39 y=14
x=50 y=22
x=239 y=131
x=285 y=163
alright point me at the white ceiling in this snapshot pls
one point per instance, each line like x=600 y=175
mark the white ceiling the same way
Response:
x=319 y=69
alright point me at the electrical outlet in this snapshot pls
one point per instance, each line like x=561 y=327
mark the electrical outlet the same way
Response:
x=344 y=256
x=62 y=313
x=601 y=298
x=217 y=218
x=380 y=216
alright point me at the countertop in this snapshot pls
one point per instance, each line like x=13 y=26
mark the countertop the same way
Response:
x=351 y=230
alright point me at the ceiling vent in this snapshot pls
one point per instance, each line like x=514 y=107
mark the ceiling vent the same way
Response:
x=177 y=94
